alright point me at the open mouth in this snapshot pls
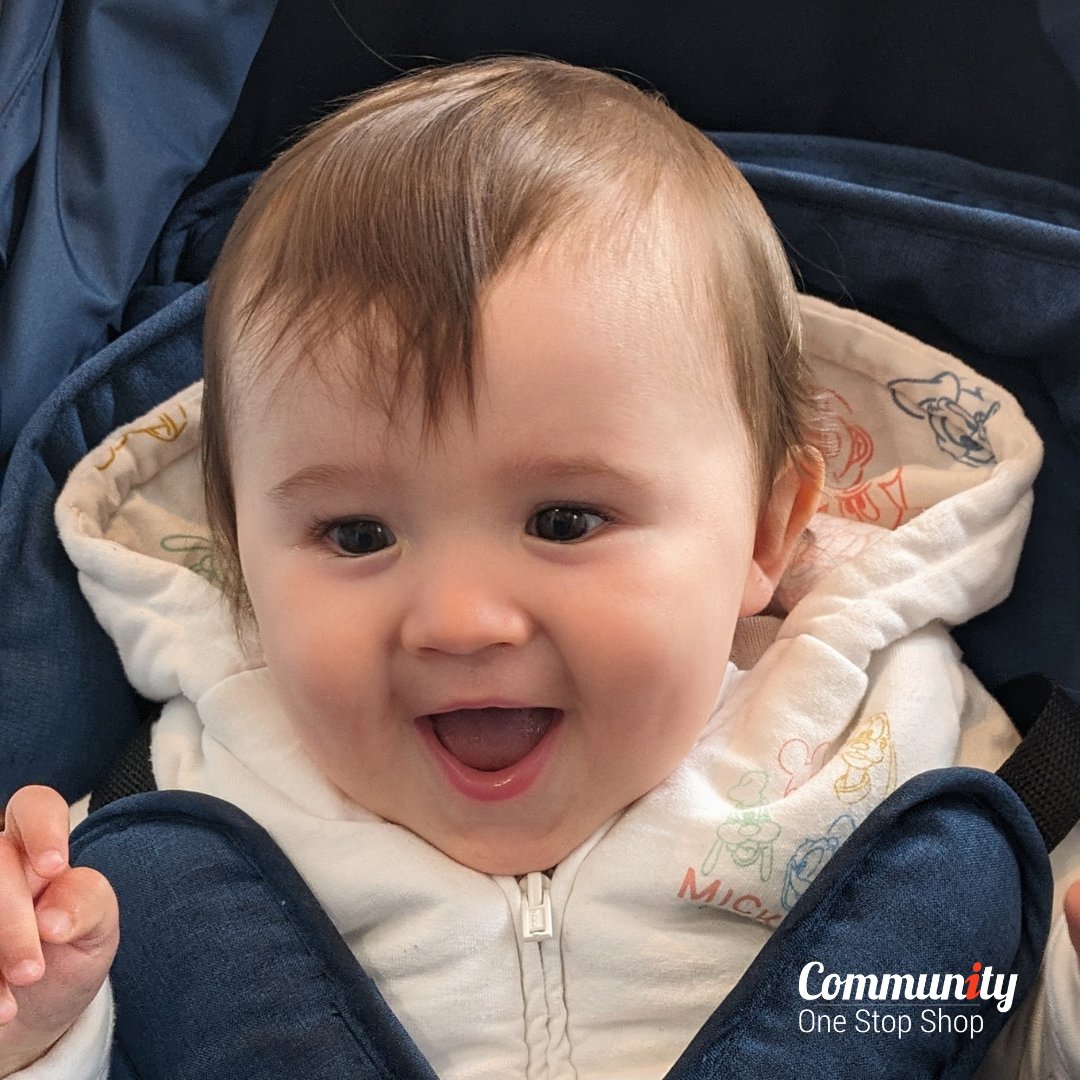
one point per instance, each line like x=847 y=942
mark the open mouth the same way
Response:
x=492 y=739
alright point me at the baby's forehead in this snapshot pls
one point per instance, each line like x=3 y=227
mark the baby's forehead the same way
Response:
x=642 y=268
x=647 y=286
x=574 y=399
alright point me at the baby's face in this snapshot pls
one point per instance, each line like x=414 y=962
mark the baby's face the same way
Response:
x=501 y=637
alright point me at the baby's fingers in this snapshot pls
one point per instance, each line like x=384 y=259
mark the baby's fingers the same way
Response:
x=78 y=921
x=79 y=926
x=21 y=961
x=33 y=849
x=36 y=823
x=79 y=909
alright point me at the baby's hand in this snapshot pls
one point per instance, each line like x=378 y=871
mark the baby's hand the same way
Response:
x=1072 y=915
x=59 y=928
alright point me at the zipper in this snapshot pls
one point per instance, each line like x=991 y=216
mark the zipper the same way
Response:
x=536 y=922
x=542 y=983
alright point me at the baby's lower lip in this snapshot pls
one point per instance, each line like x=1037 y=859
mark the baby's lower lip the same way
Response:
x=491 y=786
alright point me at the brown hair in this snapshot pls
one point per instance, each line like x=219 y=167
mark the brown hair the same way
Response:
x=387 y=219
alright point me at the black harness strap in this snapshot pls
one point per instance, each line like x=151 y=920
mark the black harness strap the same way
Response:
x=1044 y=770
x=131 y=772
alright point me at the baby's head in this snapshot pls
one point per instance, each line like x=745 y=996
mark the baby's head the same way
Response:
x=505 y=425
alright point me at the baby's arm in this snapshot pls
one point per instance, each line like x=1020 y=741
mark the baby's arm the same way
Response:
x=59 y=928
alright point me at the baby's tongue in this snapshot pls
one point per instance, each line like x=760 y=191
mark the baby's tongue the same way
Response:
x=491 y=739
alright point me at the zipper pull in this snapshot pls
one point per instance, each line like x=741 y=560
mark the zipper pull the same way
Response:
x=536 y=922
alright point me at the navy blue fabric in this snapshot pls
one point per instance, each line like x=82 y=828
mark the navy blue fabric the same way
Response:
x=228 y=967
x=1060 y=22
x=27 y=30
x=66 y=708
x=108 y=110
x=187 y=248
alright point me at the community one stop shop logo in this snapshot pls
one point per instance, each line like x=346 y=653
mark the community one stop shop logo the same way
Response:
x=894 y=1004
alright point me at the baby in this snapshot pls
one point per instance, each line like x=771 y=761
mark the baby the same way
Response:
x=507 y=422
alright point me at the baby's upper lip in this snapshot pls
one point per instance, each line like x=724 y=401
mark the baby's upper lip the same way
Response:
x=459 y=704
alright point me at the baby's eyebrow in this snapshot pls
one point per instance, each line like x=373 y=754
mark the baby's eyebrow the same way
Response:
x=327 y=477
x=323 y=477
x=587 y=467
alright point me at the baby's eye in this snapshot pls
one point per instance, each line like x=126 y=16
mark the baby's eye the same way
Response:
x=565 y=524
x=361 y=536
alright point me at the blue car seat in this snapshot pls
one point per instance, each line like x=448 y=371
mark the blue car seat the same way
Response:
x=977 y=259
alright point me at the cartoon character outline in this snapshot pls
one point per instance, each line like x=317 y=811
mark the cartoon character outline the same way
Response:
x=868 y=750
x=809 y=858
x=204 y=565
x=848 y=447
x=749 y=833
x=848 y=450
x=957 y=414
x=878 y=502
x=800 y=762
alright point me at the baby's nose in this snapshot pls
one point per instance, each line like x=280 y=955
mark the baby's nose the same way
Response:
x=462 y=610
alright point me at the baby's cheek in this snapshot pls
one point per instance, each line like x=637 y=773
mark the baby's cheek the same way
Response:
x=646 y=660
x=303 y=621
x=318 y=672
x=321 y=708
x=661 y=663
x=666 y=620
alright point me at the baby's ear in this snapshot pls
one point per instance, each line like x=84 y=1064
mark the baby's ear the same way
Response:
x=792 y=502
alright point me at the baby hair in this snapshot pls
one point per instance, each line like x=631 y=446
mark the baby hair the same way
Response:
x=382 y=226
